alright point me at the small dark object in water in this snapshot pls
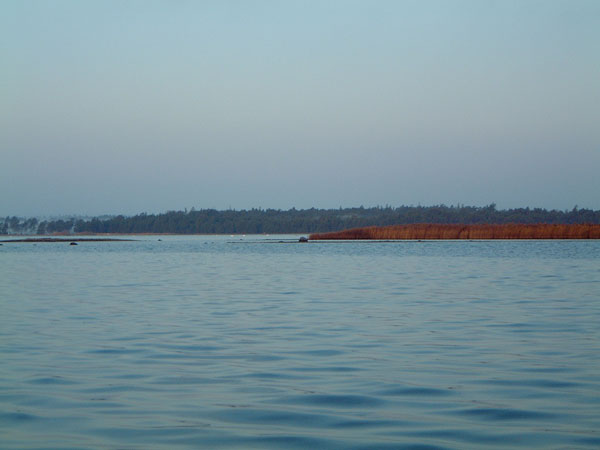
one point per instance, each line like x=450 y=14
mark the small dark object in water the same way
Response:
x=159 y=240
x=303 y=239
x=73 y=243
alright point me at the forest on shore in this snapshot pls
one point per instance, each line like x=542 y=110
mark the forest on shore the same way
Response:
x=272 y=221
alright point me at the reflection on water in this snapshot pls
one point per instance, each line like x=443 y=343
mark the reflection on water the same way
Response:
x=217 y=342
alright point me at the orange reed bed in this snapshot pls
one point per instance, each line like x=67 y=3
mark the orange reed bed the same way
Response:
x=454 y=231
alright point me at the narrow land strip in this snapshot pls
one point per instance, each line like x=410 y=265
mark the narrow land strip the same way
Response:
x=66 y=240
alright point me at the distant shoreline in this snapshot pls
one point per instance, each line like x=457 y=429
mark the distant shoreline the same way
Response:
x=78 y=236
x=75 y=239
x=74 y=236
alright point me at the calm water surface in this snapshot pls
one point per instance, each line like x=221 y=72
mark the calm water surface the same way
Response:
x=223 y=342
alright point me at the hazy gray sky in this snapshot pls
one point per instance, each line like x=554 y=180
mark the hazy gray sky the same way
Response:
x=132 y=106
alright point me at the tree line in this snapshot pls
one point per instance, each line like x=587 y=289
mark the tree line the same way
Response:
x=273 y=221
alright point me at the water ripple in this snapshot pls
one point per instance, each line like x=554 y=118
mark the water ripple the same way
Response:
x=501 y=414
x=335 y=401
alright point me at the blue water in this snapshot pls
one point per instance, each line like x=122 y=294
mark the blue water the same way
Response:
x=222 y=342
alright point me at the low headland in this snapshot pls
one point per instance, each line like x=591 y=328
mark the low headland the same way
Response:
x=425 y=231
x=72 y=239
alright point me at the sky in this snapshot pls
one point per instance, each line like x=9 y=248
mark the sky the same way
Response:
x=122 y=107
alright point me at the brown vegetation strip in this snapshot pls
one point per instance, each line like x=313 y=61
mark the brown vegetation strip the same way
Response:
x=455 y=231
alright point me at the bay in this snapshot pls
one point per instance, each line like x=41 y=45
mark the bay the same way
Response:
x=247 y=342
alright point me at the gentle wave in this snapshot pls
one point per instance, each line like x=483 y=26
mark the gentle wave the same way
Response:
x=193 y=342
